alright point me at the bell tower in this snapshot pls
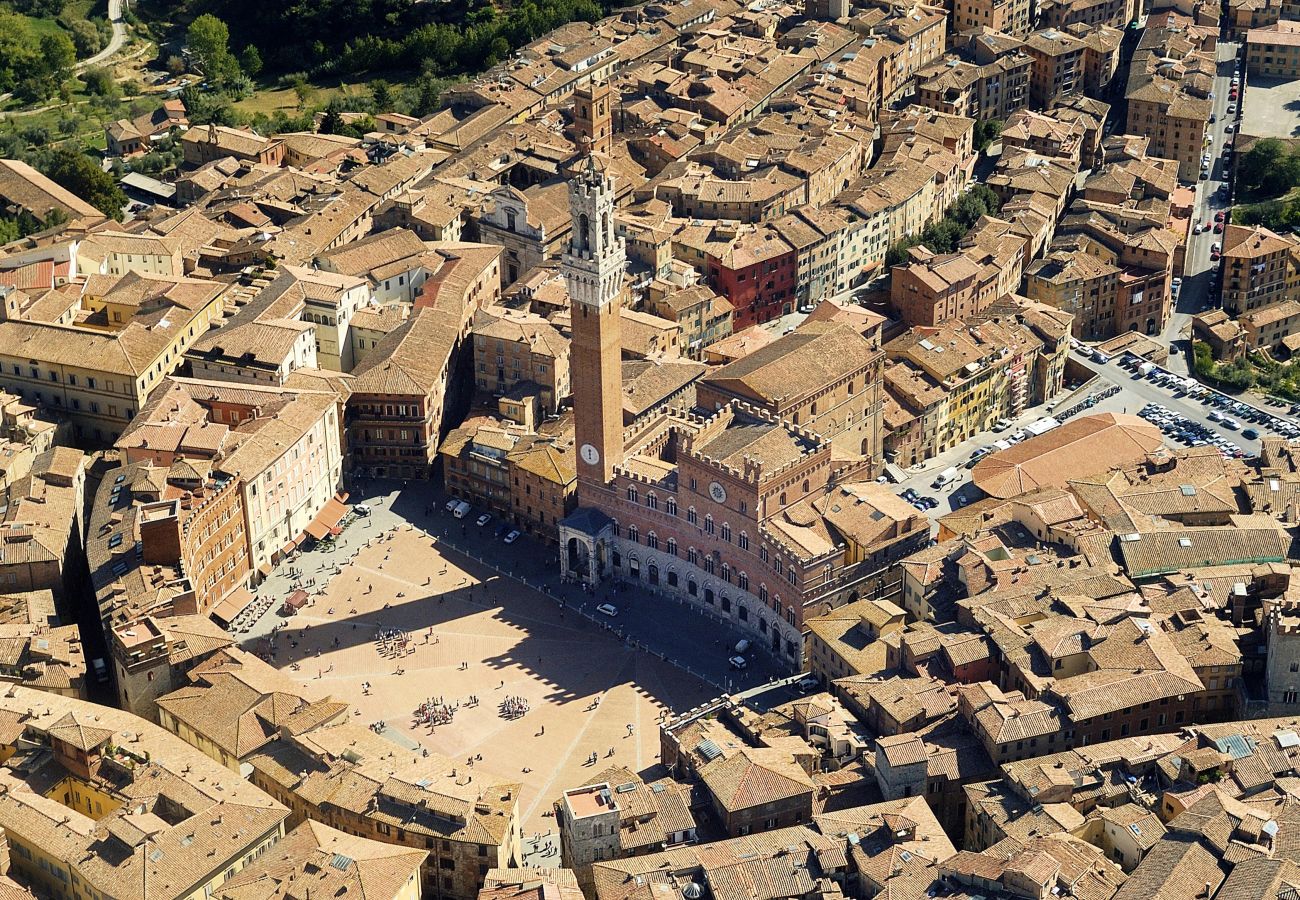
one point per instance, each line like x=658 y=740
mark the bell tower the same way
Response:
x=592 y=118
x=593 y=270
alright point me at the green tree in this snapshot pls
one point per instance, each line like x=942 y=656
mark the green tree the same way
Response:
x=86 y=38
x=382 y=95
x=100 y=82
x=208 y=39
x=59 y=54
x=332 y=122
x=79 y=174
x=251 y=61
x=986 y=132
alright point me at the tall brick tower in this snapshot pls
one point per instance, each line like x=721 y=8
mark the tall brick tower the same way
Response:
x=593 y=269
x=592 y=117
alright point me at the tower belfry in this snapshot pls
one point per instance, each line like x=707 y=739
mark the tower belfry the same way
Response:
x=593 y=269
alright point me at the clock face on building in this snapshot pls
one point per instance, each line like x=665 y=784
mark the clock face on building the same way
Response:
x=718 y=492
x=590 y=455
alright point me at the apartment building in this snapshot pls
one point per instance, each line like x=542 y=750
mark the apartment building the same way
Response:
x=516 y=350
x=400 y=392
x=1273 y=51
x=132 y=333
x=1058 y=67
x=1256 y=267
x=993 y=90
x=280 y=445
x=205 y=824
x=1009 y=18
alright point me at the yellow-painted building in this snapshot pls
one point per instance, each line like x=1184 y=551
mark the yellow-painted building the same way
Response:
x=131 y=332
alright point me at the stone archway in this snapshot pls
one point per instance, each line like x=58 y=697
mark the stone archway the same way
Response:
x=579 y=557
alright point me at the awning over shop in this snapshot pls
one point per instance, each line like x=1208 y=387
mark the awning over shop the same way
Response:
x=289 y=547
x=234 y=603
x=327 y=518
x=264 y=569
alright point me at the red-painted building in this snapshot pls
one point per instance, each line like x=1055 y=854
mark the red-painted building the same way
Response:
x=757 y=274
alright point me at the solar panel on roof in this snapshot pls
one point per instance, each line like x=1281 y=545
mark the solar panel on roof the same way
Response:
x=708 y=749
x=1235 y=745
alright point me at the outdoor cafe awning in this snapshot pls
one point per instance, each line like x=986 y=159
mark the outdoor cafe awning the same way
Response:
x=329 y=516
x=297 y=600
x=234 y=603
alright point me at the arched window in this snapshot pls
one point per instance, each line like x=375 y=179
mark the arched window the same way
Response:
x=726 y=532
x=708 y=524
x=742 y=580
x=743 y=541
x=670 y=506
x=806 y=487
x=726 y=572
x=631 y=493
x=783 y=498
x=616 y=528
x=632 y=533
x=510 y=220
x=690 y=515
x=762 y=592
x=652 y=501
x=672 y=546
x=584 y=232
x=693 y=556
x=652 y=540
x=708 y=564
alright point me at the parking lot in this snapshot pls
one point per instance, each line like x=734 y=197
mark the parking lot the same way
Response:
x=1271 y=108
x=1194 y=414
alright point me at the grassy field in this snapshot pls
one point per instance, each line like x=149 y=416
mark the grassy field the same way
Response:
x=269 y=100
x=39 y=27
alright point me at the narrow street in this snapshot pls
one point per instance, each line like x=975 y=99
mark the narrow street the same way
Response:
x=1200 y=272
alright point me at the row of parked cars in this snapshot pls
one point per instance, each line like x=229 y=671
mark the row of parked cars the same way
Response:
x=461 y=509
x=920 y=501
x=1186 y=431
x=1227 y=412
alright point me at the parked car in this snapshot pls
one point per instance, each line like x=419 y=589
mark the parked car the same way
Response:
x=361 y=509
x=462 y=510
x=512 y=536
x=1250 y=434
x=738 y=662
x=483 y=520
x=607 y=609
x=807 y=684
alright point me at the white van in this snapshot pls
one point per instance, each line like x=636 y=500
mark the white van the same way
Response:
x=462 y=510
x=742 y=645
x=946 y=477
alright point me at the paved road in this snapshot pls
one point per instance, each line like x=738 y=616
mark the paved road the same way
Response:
x=1199 y=272
x=115 y=42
